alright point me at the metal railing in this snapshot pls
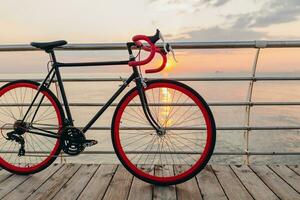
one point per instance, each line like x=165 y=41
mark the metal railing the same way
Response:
x=175 y=45
x=247 y=128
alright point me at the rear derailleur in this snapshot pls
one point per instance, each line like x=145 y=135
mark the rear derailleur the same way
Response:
x=19 y=139
x=16 y=135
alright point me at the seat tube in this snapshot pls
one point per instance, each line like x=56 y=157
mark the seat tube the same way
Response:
x=62 y=89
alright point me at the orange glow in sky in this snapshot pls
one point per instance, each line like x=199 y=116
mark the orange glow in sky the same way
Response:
x=170 y=65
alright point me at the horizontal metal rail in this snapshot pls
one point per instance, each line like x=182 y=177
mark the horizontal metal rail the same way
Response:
x=175 y=45
x=177 y=79
x=215 y=153
x=222 y=128
x=280 y=103
x=46 y=154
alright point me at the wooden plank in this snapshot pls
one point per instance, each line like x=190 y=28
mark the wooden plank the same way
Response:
x=49 y=189
x=4 y=175
x=209 y=185
x=253 y=183
x=120 y=185
x=140 y=189
x=295 y=168
x=73 y=188
x=164 y=192
x=189 y=189
x=291 y=177
x=275 y=183
x=32 y=183
x=230 y=183
x=99 y=182
x=11 y=183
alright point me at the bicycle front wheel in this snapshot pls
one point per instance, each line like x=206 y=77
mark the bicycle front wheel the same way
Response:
x=184 y=147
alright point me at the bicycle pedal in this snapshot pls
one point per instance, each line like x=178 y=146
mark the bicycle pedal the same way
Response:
x=89 y=143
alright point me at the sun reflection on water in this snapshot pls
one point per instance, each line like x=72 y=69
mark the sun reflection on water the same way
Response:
x=165 y=111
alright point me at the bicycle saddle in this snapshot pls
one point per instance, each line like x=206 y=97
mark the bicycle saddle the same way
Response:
x=47 y=46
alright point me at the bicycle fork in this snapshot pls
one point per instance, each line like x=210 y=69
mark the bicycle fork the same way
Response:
x=140 y=84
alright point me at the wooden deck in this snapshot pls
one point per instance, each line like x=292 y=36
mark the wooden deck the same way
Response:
x=75 y=181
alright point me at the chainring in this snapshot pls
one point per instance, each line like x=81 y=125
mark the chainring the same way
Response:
x=71 y=141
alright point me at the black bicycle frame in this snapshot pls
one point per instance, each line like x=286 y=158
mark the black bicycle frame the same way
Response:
x=54 y=71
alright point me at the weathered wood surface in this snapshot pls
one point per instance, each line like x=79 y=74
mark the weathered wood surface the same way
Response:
x=253 y=184
x=209 y=184
x=275 y=183
x=166 y=192
x=230 y=183
x=76 y=181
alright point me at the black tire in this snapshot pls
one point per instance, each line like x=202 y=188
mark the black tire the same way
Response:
x=58 y=112
x=120 y=154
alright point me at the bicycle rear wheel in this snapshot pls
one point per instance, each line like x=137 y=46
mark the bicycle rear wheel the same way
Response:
x=40 y=151
x=186 y=144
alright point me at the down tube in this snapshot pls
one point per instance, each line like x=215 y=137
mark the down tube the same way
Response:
x=101 y=111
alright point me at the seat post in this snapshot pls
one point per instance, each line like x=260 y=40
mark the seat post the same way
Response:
x=52 y=56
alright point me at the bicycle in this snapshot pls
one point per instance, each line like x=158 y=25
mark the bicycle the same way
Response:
x=175 y=142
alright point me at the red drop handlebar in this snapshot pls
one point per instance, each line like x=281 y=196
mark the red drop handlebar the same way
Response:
x=152 y=49
x=164 y=61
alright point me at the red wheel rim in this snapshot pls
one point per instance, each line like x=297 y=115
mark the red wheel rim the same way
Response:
x=204 y=155
x=32 y=168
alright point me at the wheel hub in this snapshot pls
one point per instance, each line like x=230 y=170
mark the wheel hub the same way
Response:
x=20 y=127
x=161 y=132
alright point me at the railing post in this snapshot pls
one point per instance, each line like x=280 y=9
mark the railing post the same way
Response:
x=249 y=100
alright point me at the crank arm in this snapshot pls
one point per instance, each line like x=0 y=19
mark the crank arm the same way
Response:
x=89 y=143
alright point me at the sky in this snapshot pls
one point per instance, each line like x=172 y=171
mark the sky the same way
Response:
x=97 y=21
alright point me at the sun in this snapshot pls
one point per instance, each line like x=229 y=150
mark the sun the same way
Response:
x=170 y=65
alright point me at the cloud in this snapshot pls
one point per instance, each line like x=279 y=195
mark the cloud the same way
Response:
x=198 y=3
x=272 y=12
x=278 y=12
x=244 y=26
x=221 y=34
x=218 y=3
